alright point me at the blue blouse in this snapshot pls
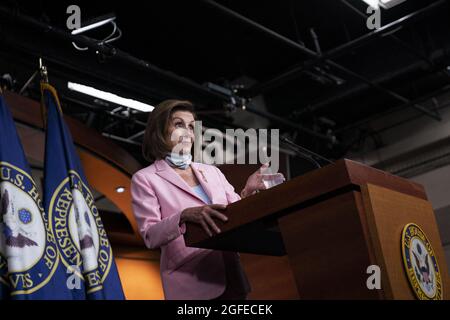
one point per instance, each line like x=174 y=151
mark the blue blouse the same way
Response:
x=198 y=189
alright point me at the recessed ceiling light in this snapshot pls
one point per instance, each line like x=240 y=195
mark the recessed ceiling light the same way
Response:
x=120 y=189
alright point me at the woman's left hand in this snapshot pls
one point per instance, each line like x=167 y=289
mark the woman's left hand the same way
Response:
x=256 y=181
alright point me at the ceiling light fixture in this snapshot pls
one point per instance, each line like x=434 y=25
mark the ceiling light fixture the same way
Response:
x=111 y=97
x=97 y=23
x=385 y=4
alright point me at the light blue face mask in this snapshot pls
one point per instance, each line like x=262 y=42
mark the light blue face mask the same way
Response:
x=180 y=161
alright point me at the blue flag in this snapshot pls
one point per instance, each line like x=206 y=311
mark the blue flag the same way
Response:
x=29 y=262
x=81 y=238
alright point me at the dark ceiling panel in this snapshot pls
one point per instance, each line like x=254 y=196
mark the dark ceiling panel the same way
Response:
x=195 y=41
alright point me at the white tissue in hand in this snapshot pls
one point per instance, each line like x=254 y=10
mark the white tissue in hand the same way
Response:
x=273 y=180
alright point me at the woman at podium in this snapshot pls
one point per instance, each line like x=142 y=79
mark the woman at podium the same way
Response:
x=174 y=190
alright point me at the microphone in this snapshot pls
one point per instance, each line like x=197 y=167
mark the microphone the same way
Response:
x=306 y=154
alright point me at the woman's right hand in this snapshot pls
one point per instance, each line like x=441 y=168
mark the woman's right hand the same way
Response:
x=204 y=216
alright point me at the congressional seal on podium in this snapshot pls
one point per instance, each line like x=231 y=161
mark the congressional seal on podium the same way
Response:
x=421 y=265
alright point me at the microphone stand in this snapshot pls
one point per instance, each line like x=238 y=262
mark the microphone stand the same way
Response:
x=306 y=154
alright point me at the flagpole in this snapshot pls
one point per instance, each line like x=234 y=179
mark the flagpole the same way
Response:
x=43 y=70
x=44 y=79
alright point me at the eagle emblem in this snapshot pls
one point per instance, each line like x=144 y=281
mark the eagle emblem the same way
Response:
x=28 y=249
x=14 y=233
x=84 y=229
x=421 y=264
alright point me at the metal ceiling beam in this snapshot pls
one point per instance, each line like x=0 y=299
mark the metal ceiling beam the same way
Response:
x=288 y=123
x=317 y=59
x=136 y=135
x=426 y=61
x=100 y=111
x=121 y=139
x=423 y=98
x=325 y=58
x=343 y=93
x=106 y=50
x=129 y=59
x=397 y=40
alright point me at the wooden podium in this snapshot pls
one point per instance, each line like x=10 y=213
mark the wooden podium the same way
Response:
x=333 y=223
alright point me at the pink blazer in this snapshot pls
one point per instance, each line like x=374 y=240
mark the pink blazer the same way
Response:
x=159 y=195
